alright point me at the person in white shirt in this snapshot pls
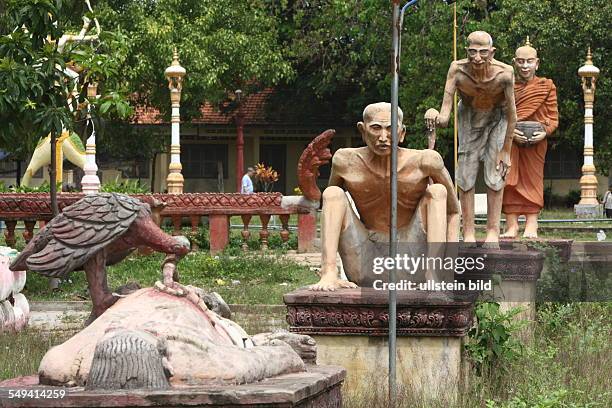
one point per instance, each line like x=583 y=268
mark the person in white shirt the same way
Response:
x=247 y=183
x=607 y=202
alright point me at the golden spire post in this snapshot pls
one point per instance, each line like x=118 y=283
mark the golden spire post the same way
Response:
x=90 y=183
x=175 y=74
x=588 y=207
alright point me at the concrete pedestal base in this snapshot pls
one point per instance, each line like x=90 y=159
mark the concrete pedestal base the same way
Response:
x=588 y=210
x=319 y=387
x=513 y=271
x=351 y=330
x=428 y=368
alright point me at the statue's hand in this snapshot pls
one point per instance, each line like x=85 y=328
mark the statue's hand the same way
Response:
x=538 y=137
x=519 y=137
x=430 y=118
x=331 y=284
x=503 y=163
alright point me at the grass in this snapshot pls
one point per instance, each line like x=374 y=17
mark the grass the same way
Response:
x=544 y=234
x=248 y=278
x=560 y=214
x=20 y=353
x=566 y=365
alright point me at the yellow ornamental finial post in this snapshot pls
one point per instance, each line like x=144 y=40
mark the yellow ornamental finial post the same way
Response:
x=589 y=206
x=527 y=42
x=175 y=74
x=589 y=58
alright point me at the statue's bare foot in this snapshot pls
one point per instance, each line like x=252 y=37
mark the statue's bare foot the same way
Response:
x=305 y=346
x=326 y=284
x=469 y=237
x=510 y=233
x=530 y=234
x=490 y=244
x=469 y=241
x=531 y=226
x=491 y=240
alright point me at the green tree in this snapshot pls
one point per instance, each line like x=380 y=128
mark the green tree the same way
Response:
x=341 y=52
x=224 y=45
x=34 y=81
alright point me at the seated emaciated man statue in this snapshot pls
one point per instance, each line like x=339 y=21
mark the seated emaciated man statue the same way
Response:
x=486 y=119
x=425 y=212
x=537 y=116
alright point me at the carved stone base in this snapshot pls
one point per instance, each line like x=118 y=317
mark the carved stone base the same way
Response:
x=507 y=264
x=588 y=210
x=351 y=329
x=513 y=271
x=319 y=387
x=562 y=246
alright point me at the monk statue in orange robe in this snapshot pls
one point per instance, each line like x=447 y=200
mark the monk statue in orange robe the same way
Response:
x=537 y=118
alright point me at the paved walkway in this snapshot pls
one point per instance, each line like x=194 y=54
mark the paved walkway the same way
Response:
x=313 y=261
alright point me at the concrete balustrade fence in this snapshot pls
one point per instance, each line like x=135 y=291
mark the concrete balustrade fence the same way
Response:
x=31 y=208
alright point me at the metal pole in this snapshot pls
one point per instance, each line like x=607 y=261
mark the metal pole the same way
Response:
x=393 y=207
x=455 y=123
x=398 y=18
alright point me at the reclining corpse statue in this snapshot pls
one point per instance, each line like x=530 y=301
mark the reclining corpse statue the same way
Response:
x=170 y=334
x=154 y=338
x=426 y=213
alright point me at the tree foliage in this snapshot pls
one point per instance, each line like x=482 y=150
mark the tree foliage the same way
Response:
x=341 y=51
x=32 y=79
x=34 y=83
x=224 y=45
x=329 y=57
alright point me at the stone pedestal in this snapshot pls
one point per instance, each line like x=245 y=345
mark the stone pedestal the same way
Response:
x=562 y=246
x=319 y=387
x=351 y=330
x=513 y=273
x=588 y=210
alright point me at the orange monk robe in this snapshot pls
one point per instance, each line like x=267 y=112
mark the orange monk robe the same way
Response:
x=536 y=101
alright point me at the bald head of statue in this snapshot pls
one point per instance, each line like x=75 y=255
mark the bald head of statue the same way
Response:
x=376 y=128
x=526 y=62
x=480 y=50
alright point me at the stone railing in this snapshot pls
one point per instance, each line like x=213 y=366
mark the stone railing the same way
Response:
x=218 y=207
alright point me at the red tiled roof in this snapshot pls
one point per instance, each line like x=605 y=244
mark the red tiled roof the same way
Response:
x=253 y=107
x=146 y=116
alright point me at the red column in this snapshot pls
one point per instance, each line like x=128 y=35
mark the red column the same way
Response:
x=219 y=232
x=239 y=149
x=307 y=231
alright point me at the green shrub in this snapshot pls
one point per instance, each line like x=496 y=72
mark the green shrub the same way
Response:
x=45 y=187
x=124 y=187
x=201 y=238
x=491 y=343
x=572 y=198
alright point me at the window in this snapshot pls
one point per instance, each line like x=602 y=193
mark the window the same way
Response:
x=563 y=162
x=7 y=168
x=204 y=160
